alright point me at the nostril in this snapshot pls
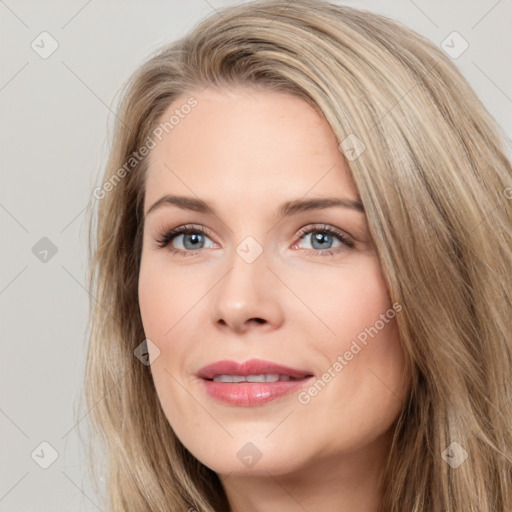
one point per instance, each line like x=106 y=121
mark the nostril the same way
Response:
x=248 y=322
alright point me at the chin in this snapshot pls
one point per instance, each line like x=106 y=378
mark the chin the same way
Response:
x=250 y=458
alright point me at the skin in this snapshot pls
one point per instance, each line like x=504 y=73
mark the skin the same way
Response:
x=245 y=152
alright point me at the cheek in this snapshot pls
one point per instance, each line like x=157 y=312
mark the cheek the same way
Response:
x=359 y=342
x=164 y=300
x=166 y=295
x=345 y=301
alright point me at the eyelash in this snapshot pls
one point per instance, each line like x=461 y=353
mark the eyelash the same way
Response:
x=169 y=236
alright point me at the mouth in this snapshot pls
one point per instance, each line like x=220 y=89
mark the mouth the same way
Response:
x=254 y=368
x=264 y=377
x=254 y=382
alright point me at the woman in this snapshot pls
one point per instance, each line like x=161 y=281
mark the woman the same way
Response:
x=302 y=272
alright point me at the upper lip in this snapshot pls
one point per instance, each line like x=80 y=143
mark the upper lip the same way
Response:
x=251 y=367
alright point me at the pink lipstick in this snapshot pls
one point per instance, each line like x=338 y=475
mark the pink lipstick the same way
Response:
x=254 y=382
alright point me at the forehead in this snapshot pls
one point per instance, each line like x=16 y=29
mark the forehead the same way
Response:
x=252 y=145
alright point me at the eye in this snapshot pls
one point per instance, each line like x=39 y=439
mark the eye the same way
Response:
x=325 y=239
x=192 y=238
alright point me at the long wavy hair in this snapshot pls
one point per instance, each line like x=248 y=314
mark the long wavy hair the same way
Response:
x=435 y=182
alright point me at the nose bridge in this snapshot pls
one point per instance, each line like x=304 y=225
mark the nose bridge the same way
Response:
x=245 y=293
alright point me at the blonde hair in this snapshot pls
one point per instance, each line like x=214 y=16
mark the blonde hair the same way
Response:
x=435 y=183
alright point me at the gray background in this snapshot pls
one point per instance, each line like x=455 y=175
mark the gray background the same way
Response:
x=57 y=117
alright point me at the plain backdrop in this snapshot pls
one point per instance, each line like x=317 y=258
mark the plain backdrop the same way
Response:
x=57 y=112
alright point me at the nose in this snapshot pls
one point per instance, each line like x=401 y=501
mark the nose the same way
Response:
x=248 y=297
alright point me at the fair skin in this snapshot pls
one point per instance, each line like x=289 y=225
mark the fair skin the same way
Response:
x=245 y=153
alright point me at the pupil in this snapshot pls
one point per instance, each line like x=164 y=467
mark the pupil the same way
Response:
x=193 y=238
x=321 y=238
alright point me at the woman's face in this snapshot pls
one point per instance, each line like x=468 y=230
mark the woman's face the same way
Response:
x=267 y=271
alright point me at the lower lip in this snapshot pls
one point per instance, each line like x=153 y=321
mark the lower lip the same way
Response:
x=249 y=394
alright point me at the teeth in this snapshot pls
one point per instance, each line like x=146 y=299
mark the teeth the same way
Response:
x=260 y=378
x=269 y=377
x=235 y=378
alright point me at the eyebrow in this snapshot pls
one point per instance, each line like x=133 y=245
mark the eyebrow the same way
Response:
x=287 y=209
